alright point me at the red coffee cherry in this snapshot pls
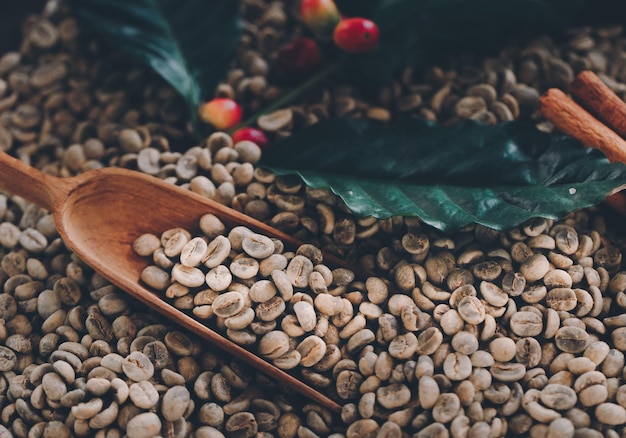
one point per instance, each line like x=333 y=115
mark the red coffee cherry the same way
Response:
x=356 y=35
x=299 y=57
x=321 y=16
x=221 y=112
x=251 y=134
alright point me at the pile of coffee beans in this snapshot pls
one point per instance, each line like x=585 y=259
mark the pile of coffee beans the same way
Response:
x=472 y=333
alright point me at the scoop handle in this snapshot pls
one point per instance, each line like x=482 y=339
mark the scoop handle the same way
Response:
x=18 y=178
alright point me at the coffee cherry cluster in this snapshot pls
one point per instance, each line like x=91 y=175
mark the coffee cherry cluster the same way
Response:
x=322 y=17
x=353 y=35
x=298 y=58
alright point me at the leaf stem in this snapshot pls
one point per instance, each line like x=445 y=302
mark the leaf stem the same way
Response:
x=290 y=96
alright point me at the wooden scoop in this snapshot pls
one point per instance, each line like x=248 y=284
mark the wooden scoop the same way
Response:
x=101 y=212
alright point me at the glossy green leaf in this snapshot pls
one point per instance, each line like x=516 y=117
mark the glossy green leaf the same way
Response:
x=418 y=32
x=190 y=43
x=498 y=176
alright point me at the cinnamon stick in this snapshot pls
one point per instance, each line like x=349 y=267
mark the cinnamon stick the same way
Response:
x=600 y=100
x=573 y=120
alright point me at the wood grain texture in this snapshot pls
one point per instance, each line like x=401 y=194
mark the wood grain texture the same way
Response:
x=101 y=212
x=20 y=179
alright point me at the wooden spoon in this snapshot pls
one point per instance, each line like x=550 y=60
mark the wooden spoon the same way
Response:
x=101 y=212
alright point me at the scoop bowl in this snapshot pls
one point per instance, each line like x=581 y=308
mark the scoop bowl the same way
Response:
x=100 y=213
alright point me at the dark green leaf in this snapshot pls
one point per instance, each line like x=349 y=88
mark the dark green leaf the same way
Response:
x=418 y=32
x=360 y=8
x=498 y=176
x=189 y=43
x=601 y=13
